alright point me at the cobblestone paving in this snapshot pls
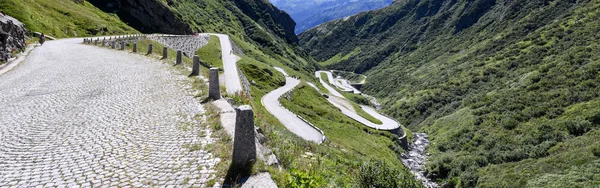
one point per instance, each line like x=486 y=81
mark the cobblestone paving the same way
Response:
x=74 y=115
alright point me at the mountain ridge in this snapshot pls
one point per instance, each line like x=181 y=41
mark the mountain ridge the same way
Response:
x=308 y=14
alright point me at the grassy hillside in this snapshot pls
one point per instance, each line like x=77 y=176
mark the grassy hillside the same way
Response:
x=64 y=18
x=507 y=90
x=350 y=145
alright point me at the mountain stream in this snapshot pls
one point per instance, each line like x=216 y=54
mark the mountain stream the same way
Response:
x=416 y=157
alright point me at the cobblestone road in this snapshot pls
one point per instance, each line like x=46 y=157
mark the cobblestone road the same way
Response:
x=74 y=115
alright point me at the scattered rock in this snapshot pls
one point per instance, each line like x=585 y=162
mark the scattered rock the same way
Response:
x=259 y=180
x=12 y=36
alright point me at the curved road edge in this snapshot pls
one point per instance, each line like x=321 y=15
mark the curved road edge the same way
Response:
x=232 y=76
x=291 y=121
x=388 y=123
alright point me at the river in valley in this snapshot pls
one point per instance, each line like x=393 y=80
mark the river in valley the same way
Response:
x=416 y=157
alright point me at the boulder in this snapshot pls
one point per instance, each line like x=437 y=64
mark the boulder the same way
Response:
x=12 y=36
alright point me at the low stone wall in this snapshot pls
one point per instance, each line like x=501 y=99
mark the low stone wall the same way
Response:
x=245 y=83
x=400 y=132
x=185 y=43
x=236 y=50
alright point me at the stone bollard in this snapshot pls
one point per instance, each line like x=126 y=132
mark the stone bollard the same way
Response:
x=165 y=53
x=96 y=42
x=122 y=45
x=103 y=42
x=214 y=92
x=244 y=142
x=179 y=58
x=134 y=47
x=149 y=49
x=196 y=66
x=113 y=44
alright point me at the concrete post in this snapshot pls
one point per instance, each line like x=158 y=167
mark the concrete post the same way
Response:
x=103 y=42
x=165 y=53
x=214 y=92
x=114 y=44
x=96 y=42
x=179 y=58
x=122 y=45
x=244 y=144
x=134 y=47
x=149 y=49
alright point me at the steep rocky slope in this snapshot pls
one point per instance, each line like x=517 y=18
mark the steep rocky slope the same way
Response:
x=506 y=89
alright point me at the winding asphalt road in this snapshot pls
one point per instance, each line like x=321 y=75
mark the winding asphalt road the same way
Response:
x=326 y=85
x=232 y=78
x=388 y=123
x=345 y=85
x=78 y=115
x=271 y=102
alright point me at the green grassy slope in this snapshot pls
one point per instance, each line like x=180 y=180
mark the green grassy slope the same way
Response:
x=64 y=18
x=211 y=53
x=497 y=84
x=350 y=144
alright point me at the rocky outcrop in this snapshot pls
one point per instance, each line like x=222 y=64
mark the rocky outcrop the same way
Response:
x=12 y=36
x=151 y=17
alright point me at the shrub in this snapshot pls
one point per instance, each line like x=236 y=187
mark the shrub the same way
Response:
x=376 y=173
x=596 y=151
x=298 y=178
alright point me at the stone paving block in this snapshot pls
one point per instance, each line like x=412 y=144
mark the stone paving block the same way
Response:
x=127 y=128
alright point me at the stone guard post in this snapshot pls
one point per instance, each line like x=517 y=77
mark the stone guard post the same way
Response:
x=165 y=52
x=244 y=144
x=196 y=66
x=134 y=47
x=122 y=45
x=214 y=92
x=179 y=58
x=149 y=49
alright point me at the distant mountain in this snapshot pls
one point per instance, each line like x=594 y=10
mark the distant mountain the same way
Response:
x=310 y=13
